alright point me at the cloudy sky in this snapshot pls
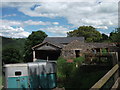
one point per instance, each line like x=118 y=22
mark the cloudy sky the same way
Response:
x=19 y=19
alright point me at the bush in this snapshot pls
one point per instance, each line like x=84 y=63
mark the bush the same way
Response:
x=78 y=78
x=79 y=60
x=60 y=65
x=104 y=51
x=64 y=70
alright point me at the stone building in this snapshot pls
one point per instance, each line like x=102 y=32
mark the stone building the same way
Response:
x=67 y=47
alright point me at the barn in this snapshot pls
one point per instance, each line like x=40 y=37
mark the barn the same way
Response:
x=67 y=47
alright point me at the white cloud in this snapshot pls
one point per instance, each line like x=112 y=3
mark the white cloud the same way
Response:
x=31 y=22
x=55 y=23
x=23 y=23
x=59 y=0
x=100 y=13
x=9 y=31
x=15 y=28
x=101 y=27
x=83 y=13
x=56 y=30
x=10 y=23
x=12 y=29
x=9 y=15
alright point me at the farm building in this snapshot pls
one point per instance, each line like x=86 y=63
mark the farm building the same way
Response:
x=67 y=47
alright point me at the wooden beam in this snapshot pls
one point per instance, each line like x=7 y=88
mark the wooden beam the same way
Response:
x=116 y=84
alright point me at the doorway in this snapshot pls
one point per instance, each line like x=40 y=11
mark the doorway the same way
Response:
x=48 y=54
x=77 y=53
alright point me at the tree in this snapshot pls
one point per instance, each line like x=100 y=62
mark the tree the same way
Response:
x=33 y=39
x=11 y=55
x=89 y=32
x=115 y=35
x=104 y=37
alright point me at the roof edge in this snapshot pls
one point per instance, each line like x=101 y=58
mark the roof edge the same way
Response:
x=44 y=43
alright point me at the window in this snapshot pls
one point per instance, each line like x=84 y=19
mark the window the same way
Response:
x=18 y=73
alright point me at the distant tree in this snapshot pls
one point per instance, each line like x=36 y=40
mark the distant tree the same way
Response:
x=89 y=32
x=11 y=55
x=115 y=35
x=33 y=39
x=104 y=37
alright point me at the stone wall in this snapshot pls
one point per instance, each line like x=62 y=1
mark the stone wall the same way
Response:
x=68 y=54
x=68 y=51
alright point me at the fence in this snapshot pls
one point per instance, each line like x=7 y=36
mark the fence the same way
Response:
x=112 y=75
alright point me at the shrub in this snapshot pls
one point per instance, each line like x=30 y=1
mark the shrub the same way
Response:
x=104 y=51
x=79 y=60
x=64 y=70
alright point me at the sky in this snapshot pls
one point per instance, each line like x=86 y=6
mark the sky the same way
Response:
x=19 y=19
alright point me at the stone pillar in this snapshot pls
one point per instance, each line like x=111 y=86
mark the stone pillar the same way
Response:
x=34 y=59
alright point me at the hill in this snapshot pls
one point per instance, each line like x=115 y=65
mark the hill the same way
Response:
x=17 y=43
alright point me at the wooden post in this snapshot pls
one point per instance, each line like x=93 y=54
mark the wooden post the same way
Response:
x=117 y=57
x=115 y=61
x=47 y=58
x=34 y=59
x=100 y=51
